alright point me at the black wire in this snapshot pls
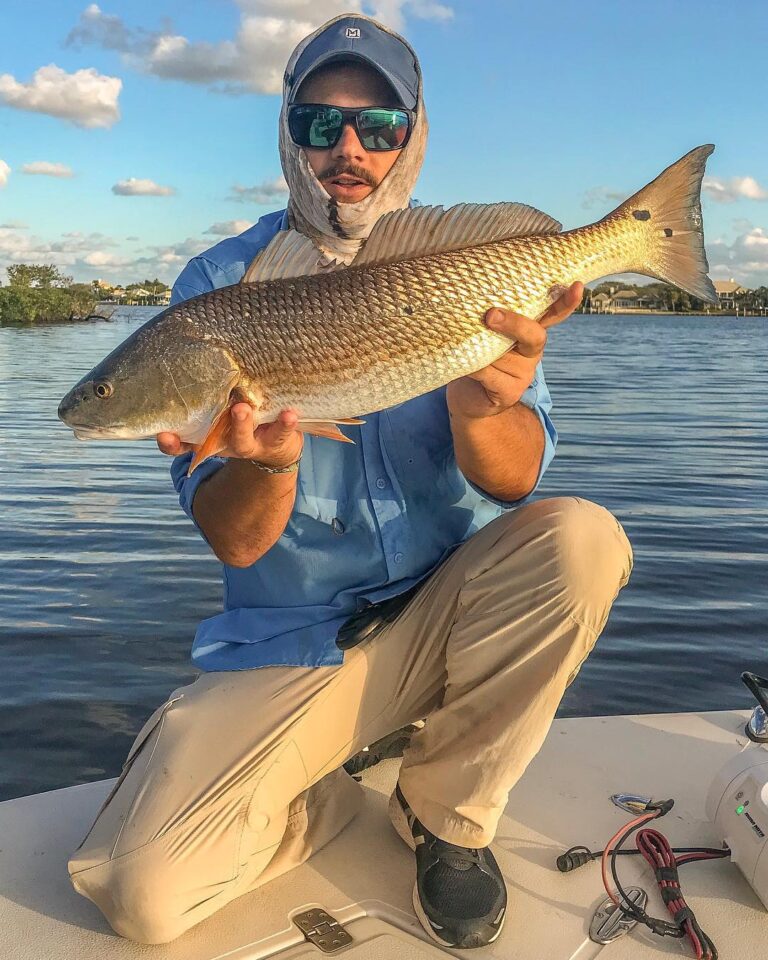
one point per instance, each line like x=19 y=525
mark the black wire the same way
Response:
x=715 y=851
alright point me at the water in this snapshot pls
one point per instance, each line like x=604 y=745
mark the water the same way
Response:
x=664 y=420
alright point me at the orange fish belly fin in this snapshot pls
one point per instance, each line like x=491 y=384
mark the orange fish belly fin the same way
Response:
x=328 y=428
x=216 y=439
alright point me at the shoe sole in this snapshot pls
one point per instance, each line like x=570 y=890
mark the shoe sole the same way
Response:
x=400 y=823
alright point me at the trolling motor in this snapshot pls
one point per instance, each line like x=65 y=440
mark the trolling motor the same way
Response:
x=737 y=805
x=737 y=802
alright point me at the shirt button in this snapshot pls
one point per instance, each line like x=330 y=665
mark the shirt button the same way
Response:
x=399 y=558
x=337 y=526
x=381 y=483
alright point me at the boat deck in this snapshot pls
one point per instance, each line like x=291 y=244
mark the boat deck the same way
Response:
x=364 y=878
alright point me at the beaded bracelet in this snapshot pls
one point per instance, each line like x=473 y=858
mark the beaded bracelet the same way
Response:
x=291 y=468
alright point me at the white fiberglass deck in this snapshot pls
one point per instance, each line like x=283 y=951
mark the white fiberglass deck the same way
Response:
x=365 y=877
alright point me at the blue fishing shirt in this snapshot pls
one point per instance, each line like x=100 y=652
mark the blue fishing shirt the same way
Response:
x=370 y=519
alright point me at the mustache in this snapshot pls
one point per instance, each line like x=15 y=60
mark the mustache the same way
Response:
x=351 y=170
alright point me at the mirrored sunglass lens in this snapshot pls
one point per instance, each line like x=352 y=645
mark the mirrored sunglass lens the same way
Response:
x=383 y=129
x=313 y=127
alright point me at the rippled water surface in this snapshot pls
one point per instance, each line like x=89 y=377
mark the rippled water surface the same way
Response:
x=664 y=420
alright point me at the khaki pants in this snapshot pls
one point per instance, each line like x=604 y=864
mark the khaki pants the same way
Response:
x=236 y=778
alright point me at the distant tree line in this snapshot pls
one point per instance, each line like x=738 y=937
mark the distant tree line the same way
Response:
x=667 y=297
x=753 y=299
x=149 y=292
x=664 y=295
x=151 y=286
x=39 y=293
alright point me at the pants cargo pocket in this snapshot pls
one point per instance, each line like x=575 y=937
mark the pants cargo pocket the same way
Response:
x=267 y=813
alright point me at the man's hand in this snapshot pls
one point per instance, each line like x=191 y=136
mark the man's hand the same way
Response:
x=496 y=388
x=273 y=444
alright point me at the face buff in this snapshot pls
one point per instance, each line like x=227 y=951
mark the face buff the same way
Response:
x=339 y=229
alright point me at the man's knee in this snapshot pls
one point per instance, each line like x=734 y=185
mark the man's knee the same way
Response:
x=579 y=550
x=593 y=553
x=137 y=898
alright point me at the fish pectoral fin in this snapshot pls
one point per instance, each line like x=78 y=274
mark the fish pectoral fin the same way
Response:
x=327 y=428
x=216 y=439
x=289 y=254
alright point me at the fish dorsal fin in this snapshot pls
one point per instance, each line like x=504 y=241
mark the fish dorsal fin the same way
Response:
x=422 y=231
x=403 y=234
x=289 y=254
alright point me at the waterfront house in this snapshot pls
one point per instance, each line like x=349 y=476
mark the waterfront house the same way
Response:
x=138 y=295
x=620 y=301
x=600 y=303
x=625 y=300
x=727 y=291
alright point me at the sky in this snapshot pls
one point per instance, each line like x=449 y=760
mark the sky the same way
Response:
x=134 y=136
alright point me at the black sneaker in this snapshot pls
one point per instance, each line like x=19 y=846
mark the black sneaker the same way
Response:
x=459 y=895
x=385 y=749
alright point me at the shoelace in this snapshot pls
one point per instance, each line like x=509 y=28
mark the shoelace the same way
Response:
x=459 y=858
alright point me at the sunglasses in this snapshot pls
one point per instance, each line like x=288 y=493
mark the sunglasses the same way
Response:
x=319 y=125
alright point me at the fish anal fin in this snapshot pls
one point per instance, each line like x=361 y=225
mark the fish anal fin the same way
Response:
x=326 y=428
x=216 y=439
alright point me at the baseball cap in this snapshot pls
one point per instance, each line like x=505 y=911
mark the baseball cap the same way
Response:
x=357 y=38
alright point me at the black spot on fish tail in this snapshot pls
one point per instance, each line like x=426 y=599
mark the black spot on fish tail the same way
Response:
x=641 y=214
x=668 y=231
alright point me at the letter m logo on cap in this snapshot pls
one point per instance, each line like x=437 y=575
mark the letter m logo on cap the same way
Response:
x=352 y=33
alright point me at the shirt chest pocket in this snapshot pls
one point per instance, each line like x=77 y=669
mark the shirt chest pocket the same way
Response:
x=324 y=488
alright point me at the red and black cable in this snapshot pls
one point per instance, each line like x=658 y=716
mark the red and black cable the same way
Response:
x=665 y=862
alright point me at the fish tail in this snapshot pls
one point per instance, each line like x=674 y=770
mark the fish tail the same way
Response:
x=669 y=208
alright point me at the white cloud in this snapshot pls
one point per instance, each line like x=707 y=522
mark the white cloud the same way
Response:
x=177 y=254
x=254 y=60
x=5 y=172
x=98 y=258
x=746 y=259
x=93 y=255
x=270 y=191
x=85 y=98
x=427 y=10
x=229 y=228
x=105 y=30
x=737 y=188
x=394 y=12
x=13 y=225
x=602 y=197
x=133 y=187
x=46 y=169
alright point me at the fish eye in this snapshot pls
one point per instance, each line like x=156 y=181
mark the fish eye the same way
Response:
x=103 y=389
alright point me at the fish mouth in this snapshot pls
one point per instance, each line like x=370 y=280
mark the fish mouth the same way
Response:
x=89 y=431
x=83 y=432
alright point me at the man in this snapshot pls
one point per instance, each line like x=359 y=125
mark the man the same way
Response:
x=370 y=586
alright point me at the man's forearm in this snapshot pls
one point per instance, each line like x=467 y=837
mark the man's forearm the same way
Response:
x=243 y=511
x=501 y=454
